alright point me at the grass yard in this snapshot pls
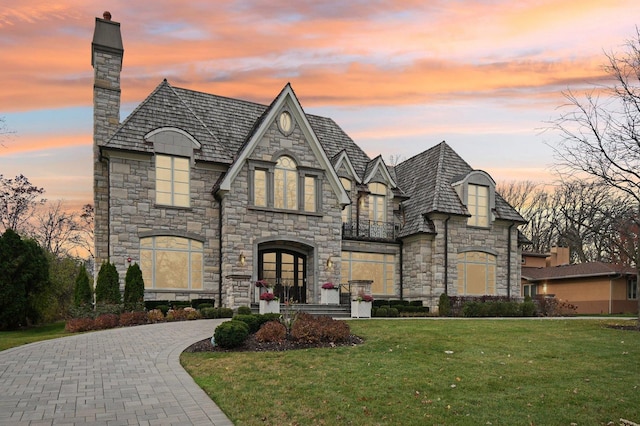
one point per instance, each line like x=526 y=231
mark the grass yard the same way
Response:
x=436 y=372
x=9 y=339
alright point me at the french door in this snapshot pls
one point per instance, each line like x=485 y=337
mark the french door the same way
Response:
x=286 y=270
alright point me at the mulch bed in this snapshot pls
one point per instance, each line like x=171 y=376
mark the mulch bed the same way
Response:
x=252 y=345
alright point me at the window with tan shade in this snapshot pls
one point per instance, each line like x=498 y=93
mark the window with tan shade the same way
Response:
x=369 y=266
x=260 y=188
x=476 y=273
x=286 y=184
x=478 y=205
x=169 y=262
x=172 y=181
x=378 y=202
x=346 y=212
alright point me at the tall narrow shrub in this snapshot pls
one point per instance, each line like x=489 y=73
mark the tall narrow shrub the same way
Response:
x=108 y=284
x=133 y=288
x=444 y=305
x=83 y=293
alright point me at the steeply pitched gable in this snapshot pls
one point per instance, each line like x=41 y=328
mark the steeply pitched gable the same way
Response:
x=286 y=97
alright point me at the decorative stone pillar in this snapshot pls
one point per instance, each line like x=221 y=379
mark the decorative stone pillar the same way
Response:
x=239 y=293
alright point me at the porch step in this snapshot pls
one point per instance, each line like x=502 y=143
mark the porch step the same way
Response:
x=335 y=311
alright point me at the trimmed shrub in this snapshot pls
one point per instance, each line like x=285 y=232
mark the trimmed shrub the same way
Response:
x=77 y=325
x=528 y=308
x=176 y=315
x=108 y=285
x=107 y=309
x=225 y=313
x=192 y=314
x=197 y=303
x=163 y=308
x=254 y=322
x=82 y=292
x=133 y=288
x=335 y=331
x=133 y=318
x=209 y=313
x=272 y=331
x=380 y=312
x=393 y=312
x=231 y=334
x=155 y=315
x=204 y=305
x=106 y=321
x=310 y=329
x=244 y=310
x=444 y=305
x=153 y=304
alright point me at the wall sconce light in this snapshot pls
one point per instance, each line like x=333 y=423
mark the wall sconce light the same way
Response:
x=329 y=264
x=242 y=259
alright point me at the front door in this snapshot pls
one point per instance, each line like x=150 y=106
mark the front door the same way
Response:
x=285 y=270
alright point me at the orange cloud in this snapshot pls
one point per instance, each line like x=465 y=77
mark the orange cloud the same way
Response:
x=40 y=142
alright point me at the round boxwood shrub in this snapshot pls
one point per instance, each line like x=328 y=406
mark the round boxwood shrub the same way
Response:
x=393 y=312
x=381 y=312
x=202 y=306
x=252 y=321
x=209 y=313
x=244 y=310
x=231 y=334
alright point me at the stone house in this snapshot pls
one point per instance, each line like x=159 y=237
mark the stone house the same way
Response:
x=209 y=194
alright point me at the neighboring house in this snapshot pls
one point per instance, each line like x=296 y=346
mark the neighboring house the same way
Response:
x=210 y=194
x=593 y=287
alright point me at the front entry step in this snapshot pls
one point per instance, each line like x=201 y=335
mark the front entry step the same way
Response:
x=335 y=311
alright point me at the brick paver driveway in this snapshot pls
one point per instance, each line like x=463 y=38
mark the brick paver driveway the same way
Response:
x=122 y=376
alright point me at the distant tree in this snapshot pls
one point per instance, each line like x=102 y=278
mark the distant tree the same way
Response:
x=600 y=133
x=83 y=293
x=108 y=285
x=133 y=288
x=56 y=229
x=18 y=200
x=4 y=131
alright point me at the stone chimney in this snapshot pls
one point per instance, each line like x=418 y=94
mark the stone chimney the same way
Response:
x=106 y=58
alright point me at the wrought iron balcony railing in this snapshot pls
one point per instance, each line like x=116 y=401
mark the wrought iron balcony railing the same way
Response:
x=369 y=230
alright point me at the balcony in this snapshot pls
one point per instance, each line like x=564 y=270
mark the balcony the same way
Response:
x=369 y=230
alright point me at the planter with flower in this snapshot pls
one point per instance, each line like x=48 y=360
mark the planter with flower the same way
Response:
x=262 y=286
x=330 y=294
x=269 y=304
x=361 y=306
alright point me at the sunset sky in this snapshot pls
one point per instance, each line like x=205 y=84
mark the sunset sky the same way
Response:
x=397 y=76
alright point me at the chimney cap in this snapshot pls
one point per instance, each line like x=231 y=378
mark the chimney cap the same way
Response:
x=106 y=15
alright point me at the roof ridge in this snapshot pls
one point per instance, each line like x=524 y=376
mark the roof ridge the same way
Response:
x=202 y=123
x=439 y=172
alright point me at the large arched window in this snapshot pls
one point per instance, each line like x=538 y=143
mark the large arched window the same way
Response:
x=286 y=184
x=170 y=262
x=476 y=273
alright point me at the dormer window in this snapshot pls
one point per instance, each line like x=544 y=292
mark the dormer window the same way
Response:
x=477 y=191
x=478 y=205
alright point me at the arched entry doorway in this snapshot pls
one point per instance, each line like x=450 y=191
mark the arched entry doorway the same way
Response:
x=286 y=270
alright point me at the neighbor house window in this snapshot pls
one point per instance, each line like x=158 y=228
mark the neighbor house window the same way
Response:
x=346 y=211
x=476 y=273
x=632 y=288
x=369 y=266
x=172 y=181
x=529 y=290
x=478 y=205
x=286 y=184
x=169 y=262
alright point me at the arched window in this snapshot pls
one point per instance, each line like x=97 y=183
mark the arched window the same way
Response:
x=286 y=184
x=476 y=273
x=170 y=262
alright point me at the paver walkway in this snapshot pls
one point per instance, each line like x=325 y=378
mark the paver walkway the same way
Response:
x=122 y=376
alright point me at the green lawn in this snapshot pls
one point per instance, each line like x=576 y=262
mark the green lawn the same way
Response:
x=9 y=339
x=435 y=372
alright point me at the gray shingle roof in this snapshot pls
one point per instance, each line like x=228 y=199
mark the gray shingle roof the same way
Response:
x=220 y=124
x=427 y=178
